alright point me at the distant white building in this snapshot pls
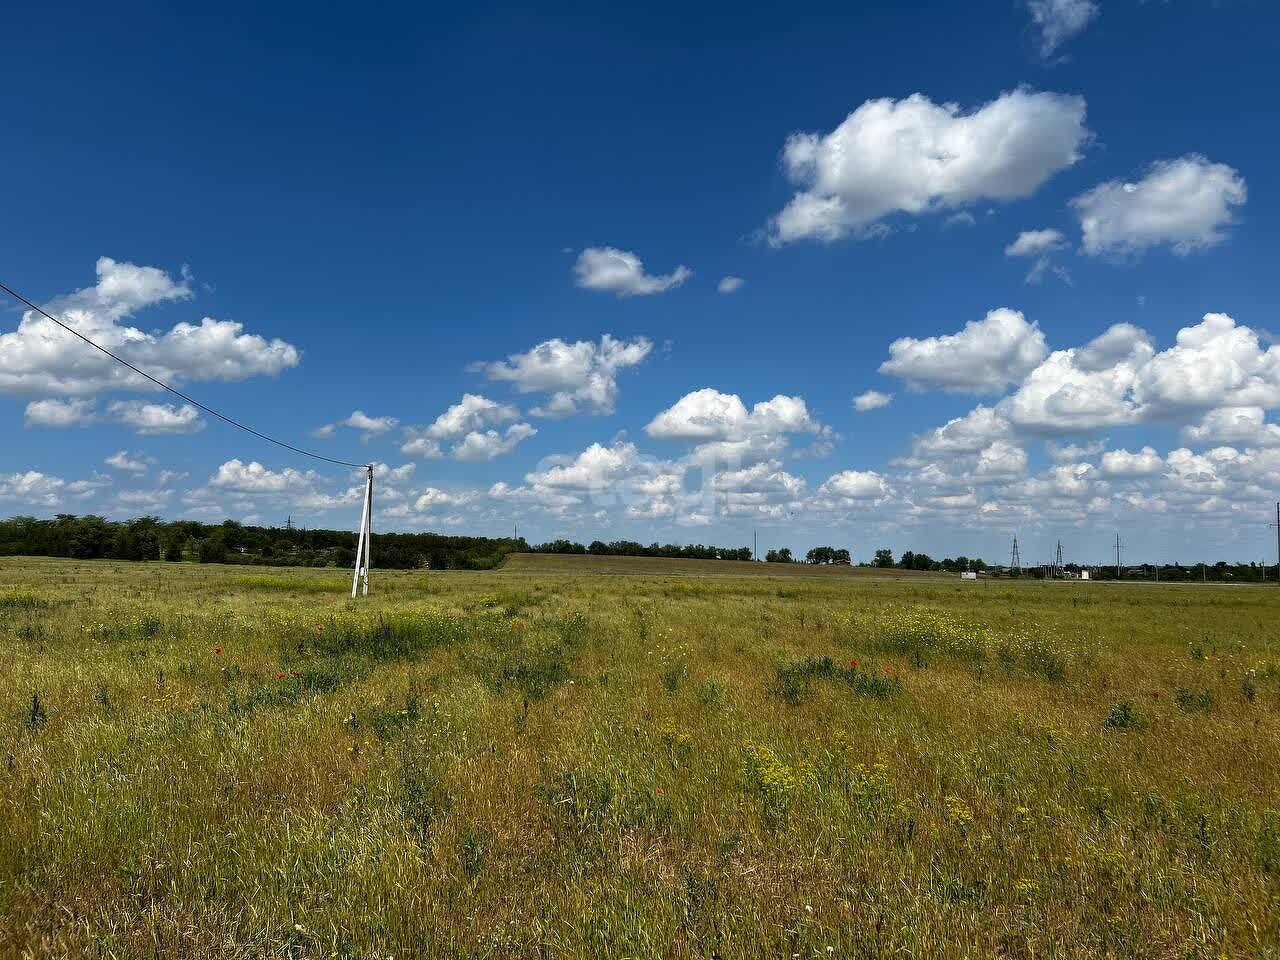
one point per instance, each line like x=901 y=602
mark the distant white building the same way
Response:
x=968 y=575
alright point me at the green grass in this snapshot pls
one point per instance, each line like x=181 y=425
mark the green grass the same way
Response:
x=605 y=757
x=308 y=582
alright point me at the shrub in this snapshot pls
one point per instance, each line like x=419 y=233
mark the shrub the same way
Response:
x=1124 y=716
x=1269 y=842
x=771 y=780
x=1193 y=702
x=792 y=681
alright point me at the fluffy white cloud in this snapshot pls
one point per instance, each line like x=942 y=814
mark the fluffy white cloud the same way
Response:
x=60 y=413
x=1119 y=343
x=1060 y=397
x=1122 y=463
x=1185 y=203
x=1001 y=459
x=1246 y=426
x=359 y=420
x=871 y=400
x=915 y=156
x=129 y=463
x=1215 y=363
x=1074 y=480
x=39 y=357
x=1119 y=378
x=253 y=477
x=580 y=376
x=600 y=477
x=32 y=487
x=157 y=418
x=853 y=486
x=962 y=435
x=1075 y=451
x=596 y=468
x=135 y=500
x=470 y=413
x=370 y=426
x=465 y=423
x=487 y=444
x=725 y=431
x=984 y=357
x=621 y=272
x=730 y=284
x=433 y=498
x=1060 y=20
x=1035 y=243
x=767 y=477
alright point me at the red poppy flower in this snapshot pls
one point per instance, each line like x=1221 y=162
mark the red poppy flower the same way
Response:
x=217 y=649
x=853 y=663
x=888 y=670
x=279 y=676
x=658 y=791
x=1156 y=694
x=296 y=673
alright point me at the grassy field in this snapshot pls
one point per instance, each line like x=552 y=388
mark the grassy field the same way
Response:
x=608 y=758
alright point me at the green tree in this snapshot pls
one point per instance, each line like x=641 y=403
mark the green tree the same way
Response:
x=884 y=558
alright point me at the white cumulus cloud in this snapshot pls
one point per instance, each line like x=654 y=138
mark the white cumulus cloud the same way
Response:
x=127 y=462
x=621 y=271
x=487 y=444
x=465 y=423
x=580 y=377
x=1122 y=463
x=60 y=413
x=253 y=477
x=871 y=400
x=984 y=357
x=32 y=486
x=1185 y=203
x=1060 y=20
x=157 y=418
x=724 y=430
x=915 y=156
x=40 y=357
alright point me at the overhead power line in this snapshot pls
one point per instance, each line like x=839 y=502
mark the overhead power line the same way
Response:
x=177 y=393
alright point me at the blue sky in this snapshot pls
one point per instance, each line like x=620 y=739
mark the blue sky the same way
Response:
x=947 y=205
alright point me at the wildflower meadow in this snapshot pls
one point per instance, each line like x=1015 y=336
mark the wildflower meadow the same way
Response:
x=563 y=758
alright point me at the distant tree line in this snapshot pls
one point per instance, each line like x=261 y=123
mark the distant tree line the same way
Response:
x=148 y=538
x=1220 y=572
x=922 y=561
x=818 y=555
x=630 y=548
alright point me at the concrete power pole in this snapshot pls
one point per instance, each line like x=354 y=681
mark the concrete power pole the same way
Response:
x=1117 y=556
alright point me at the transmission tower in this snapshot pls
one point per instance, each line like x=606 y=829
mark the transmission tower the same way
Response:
x=1015 y=561
x=1057 y=561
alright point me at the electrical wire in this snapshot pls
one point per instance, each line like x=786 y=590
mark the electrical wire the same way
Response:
x=177 y=393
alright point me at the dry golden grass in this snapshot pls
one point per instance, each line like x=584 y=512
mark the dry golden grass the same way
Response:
x=584 y=758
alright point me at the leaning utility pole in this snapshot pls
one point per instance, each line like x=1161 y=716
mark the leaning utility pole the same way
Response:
x=364 y=542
